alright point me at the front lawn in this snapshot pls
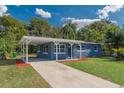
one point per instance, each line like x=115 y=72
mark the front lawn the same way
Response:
x=102 y=67
x=12 y=76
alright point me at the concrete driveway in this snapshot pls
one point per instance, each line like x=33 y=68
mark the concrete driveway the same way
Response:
x=61 y=76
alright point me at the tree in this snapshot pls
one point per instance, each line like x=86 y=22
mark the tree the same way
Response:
x=11 y=31
x=101 y=32
x=8 y=44
x=114 y=40
x=96 y=31
x=13 y=25
x=56 y=32
x=69 y=31
x=39 y=27
x=11 y=34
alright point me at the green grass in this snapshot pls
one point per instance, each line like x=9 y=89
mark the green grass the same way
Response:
x=105 y=68
x=12 y=76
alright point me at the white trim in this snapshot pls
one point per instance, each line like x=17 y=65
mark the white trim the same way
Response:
x=60 y=52
x=56 y=51
x=60 y=48
x=80 y=50
x=41 y=40
x=23 y=51
x=96 y=50
x=71 y=51
x=45 y=52
x=83 y=50
x=26 y=51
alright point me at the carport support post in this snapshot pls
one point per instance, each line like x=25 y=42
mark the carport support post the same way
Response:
x=26 y=51
x=56 y=51
x=23 y=51
x=80 y=51
x=71 y=50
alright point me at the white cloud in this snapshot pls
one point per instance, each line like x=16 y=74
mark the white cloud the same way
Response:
x=113 y=21
x=79 y=22
x=3 y=10
x=104 y=13
x=67 y=19
x=44 y=14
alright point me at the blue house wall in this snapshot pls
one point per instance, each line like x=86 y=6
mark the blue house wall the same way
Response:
x=87 y=51
x=41 y=54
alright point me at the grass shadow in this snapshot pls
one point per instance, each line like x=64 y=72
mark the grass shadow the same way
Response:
x=8 y=62
x=109 y=59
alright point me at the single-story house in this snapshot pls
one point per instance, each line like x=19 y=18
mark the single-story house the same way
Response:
x=59 y=49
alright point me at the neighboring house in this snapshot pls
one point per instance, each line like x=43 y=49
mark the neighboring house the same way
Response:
x=58 y=49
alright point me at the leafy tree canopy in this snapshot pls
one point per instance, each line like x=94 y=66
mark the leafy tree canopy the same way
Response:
x=11 y=31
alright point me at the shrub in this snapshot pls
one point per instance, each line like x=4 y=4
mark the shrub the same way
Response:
x=118 y=53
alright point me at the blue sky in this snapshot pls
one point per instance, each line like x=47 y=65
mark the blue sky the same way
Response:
x=56 y=15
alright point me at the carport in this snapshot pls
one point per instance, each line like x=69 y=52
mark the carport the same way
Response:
x=34 y=40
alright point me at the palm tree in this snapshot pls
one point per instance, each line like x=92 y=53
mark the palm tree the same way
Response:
x=69 y=31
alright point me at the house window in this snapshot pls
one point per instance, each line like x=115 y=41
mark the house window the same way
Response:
x=83 y=47
x=55 y=48
x=95 y=48
x=61 y=48
x=38 y=49
x=78 y=47
x=45 y=49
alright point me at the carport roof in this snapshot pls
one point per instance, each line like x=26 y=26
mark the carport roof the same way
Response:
x=35 y=40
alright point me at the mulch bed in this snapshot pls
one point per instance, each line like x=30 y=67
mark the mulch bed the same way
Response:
x=20 y=63
x=74 y=60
